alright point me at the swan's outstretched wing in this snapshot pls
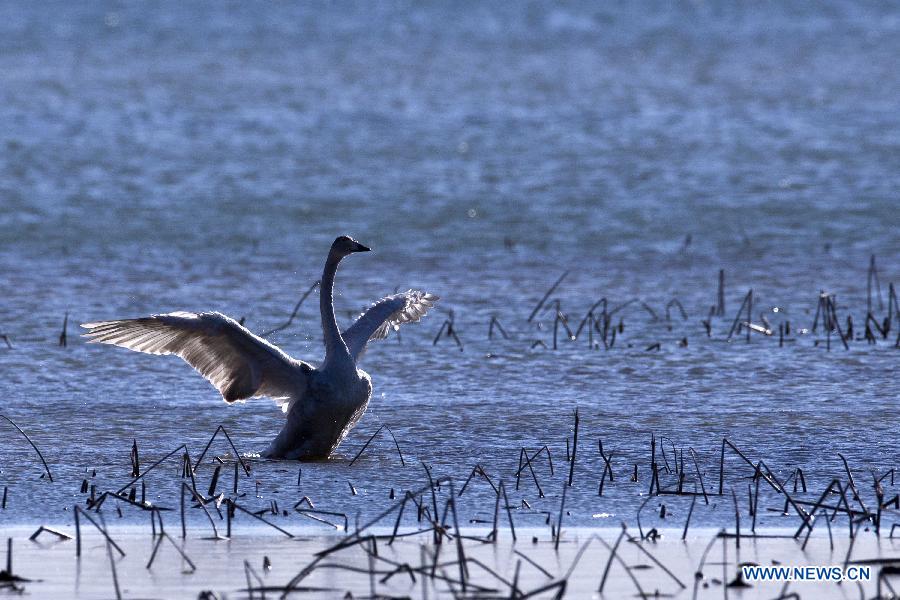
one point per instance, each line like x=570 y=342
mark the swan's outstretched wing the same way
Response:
x=386 y=314
x=239 y=364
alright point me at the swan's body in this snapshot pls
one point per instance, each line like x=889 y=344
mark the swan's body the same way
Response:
x=322 y=404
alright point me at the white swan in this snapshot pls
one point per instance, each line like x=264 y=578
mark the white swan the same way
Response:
x=322 y=404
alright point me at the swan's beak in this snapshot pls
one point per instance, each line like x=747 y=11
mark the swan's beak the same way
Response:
x=360 y=248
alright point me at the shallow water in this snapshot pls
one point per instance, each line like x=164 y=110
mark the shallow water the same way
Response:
x=170 y=157
x=225 y=566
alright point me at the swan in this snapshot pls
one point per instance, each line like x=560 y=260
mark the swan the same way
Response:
x=322 y=404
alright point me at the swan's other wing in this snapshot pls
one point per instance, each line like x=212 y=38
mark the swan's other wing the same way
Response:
x=239 y=364
x=386 y=314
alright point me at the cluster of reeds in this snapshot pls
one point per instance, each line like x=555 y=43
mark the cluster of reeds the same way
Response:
x=598 y=320
x=603 y=322
x=675 y=478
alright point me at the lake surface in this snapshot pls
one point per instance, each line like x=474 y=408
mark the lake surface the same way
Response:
x=172 y=156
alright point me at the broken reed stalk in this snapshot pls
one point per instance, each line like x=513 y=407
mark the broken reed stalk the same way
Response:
x=98 y=502
x=871 y=320
x=135 y=459
x=843 y=492
x=77 y=533
x=183 y=524
x=654 y=472
x=607 y=467
x=164 y=535
x=853 y=537
x=687 y=521
x=871 y=276
x=371 y=553
x=451 y=332
x=355 y=537
x=574 y=449
x=528 y=461
x=493 y=535
x=737 y=519
x=699 y=476
x=294 y=312
x=612 y=555
x=622 y=306
x=638 y=517
x=564 y=319
x=562 y=508
x=25 y=435
x=512 y=527
x=248 y=570
x=749 y=313
x=591 y=323
x=748 y=303
x=654 y=317
x=856 y=494
x=153 y=466
x=720 y=297
x=589 y=318
x=830 y=304
x=440 y=332
x=676 y=303
x=237 y=454
x=496 y=323
x=311 y=513
x=112 y=566
x=406 y=497
x=556 y=321
x=397 y=445
x=366 y=445
x=768 y=476
x=514 y=586
x=698 y=576
x=819 y=311
x=893 y=304
x=215 y=481
x=547 y=295
x=479 y=470
x=460 y=552
x=258 y=517
x=186 y=466
x=63 y=337
x=603 y=478
x=756 y=477
x=656 y=561
x=879 y=498
x=84 y=513
x=534 y=564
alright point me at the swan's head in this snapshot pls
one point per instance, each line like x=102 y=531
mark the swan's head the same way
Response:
x=346 y=245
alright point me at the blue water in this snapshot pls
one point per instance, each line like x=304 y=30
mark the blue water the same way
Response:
x=198 y=156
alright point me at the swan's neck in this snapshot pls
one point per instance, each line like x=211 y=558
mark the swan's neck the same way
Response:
x=336 y=352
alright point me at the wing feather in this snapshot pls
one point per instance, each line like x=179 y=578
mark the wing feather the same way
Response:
x=386 y=314
x=238 y=363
